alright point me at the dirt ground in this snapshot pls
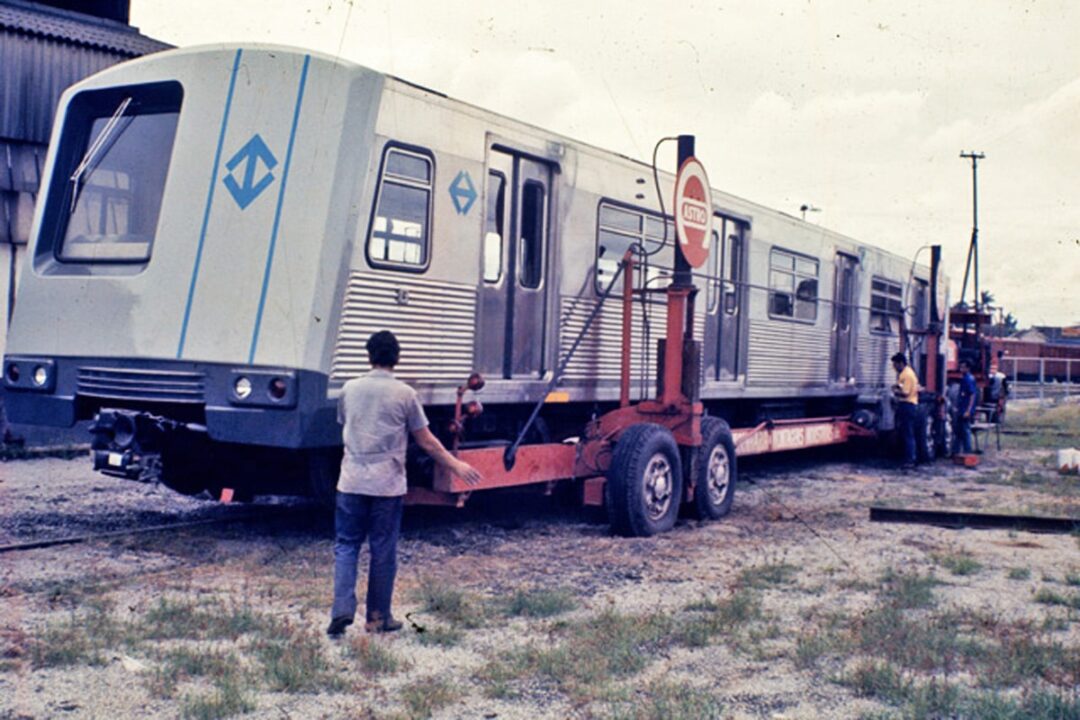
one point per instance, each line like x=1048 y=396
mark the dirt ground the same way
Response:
x=525 y=609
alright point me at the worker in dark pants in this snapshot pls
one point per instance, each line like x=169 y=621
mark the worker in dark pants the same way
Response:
x=378 y=413
x=965 y=407
x=906 y=391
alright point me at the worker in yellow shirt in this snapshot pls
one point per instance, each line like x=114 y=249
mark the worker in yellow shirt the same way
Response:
x=906 y=391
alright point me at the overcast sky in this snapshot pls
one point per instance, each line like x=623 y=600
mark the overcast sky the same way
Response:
x=859 y=108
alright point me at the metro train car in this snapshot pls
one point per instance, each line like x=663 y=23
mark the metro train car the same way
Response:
x=221 y=229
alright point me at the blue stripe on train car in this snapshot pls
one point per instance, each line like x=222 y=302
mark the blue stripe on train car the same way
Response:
x=209 y=203
x=277 y=211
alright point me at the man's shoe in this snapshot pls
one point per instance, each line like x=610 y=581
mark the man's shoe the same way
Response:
x=390 y=624
x=337 y=626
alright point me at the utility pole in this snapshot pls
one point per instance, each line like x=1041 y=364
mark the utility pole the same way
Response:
x=973 y=248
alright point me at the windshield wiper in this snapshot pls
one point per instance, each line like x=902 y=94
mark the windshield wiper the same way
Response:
x=99 y=148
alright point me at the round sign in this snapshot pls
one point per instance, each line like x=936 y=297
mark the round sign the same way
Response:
x=693 y=212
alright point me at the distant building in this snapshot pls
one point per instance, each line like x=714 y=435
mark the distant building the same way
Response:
x=1051 y=335
x=44 y=48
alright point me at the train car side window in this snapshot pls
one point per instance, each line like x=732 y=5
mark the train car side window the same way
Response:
x=532 y=234
x=617 y=229
x=493 y=227
x=112 y=163
x=886 y=305
x=400 y=228
x=793 y=286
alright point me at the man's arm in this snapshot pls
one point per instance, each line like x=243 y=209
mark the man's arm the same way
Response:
x=431 y=445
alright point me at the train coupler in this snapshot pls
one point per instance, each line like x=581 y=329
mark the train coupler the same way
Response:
x=128 y=443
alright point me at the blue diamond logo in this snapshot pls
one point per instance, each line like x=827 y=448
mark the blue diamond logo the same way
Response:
x=463 y=193
x=253 y=155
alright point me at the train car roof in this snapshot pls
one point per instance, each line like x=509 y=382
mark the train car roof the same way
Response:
x=413 y=87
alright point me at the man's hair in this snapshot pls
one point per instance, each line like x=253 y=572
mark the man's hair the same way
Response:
x=899 y=358
x=383 y=349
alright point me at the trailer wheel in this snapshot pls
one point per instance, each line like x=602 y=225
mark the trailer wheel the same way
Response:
x=925 y=435
x=715 y=470
x=644 y=482
x=946 y=435
x=323 y=468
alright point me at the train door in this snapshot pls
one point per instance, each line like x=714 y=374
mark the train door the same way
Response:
x=843 y=316
x=724 y=298
x=512 y=297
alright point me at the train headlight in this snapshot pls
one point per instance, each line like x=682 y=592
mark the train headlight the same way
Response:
x=13 y=373
x=41 y=376
x=278 y=388
x=242 y=388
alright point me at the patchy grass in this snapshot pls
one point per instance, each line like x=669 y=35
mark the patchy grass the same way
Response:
x=1046 y=596
x=962 y=564
x=440 y=636
x=662 y=700
x=1018 y=573
x=183 y=663
x=908 y=590
x=173 y=618
x=226 y=700
x=540 y=602
x=374 y=658
x=83 y=637
x=293 y=661
x=452 y=604
x=425 y=696
x=768 y=575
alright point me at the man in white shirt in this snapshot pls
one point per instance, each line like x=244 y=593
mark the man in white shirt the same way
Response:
x=377 y=412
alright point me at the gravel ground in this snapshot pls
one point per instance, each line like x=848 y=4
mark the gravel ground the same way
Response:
x=805 y=512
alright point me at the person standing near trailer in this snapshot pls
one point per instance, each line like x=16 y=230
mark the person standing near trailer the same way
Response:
x=377 y=412
x=906 y=392
x=965 y=406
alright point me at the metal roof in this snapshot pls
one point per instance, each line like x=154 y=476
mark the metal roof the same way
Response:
x=43 y=51
x=76 y=29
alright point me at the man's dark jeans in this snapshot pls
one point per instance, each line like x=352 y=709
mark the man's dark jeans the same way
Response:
x=379 y=520
x=907 y=414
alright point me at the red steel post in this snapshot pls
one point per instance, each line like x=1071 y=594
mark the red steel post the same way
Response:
x=627 y=314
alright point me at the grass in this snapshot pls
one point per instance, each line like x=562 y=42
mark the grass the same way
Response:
x=908 y=590
x=425 y=696
x=961 y=564
x=662 y=700
x=177 y=618
x=440 y=636
x=451 y=604
x=1018 y=573
x=372 y=657
x=184 y=663
x=293 y=661
x=768 y=575
x=540 y=602
x=226 y=700
x=1046 y=596
x=584 y=659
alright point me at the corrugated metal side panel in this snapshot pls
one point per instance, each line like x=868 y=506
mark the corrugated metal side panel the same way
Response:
x=34 y=72
x=873 y=353
x=599 y=356
x=787 y=353
x=79 y=29
x=436 y=326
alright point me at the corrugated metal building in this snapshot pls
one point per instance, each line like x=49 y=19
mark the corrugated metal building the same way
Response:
x=44 y=48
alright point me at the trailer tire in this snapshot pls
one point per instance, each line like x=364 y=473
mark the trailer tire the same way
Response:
x=644 y=482
x=925 y=435
x=715 y=470
x=946 y=435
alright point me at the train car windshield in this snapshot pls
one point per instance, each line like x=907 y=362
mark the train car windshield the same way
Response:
x=114 y=158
